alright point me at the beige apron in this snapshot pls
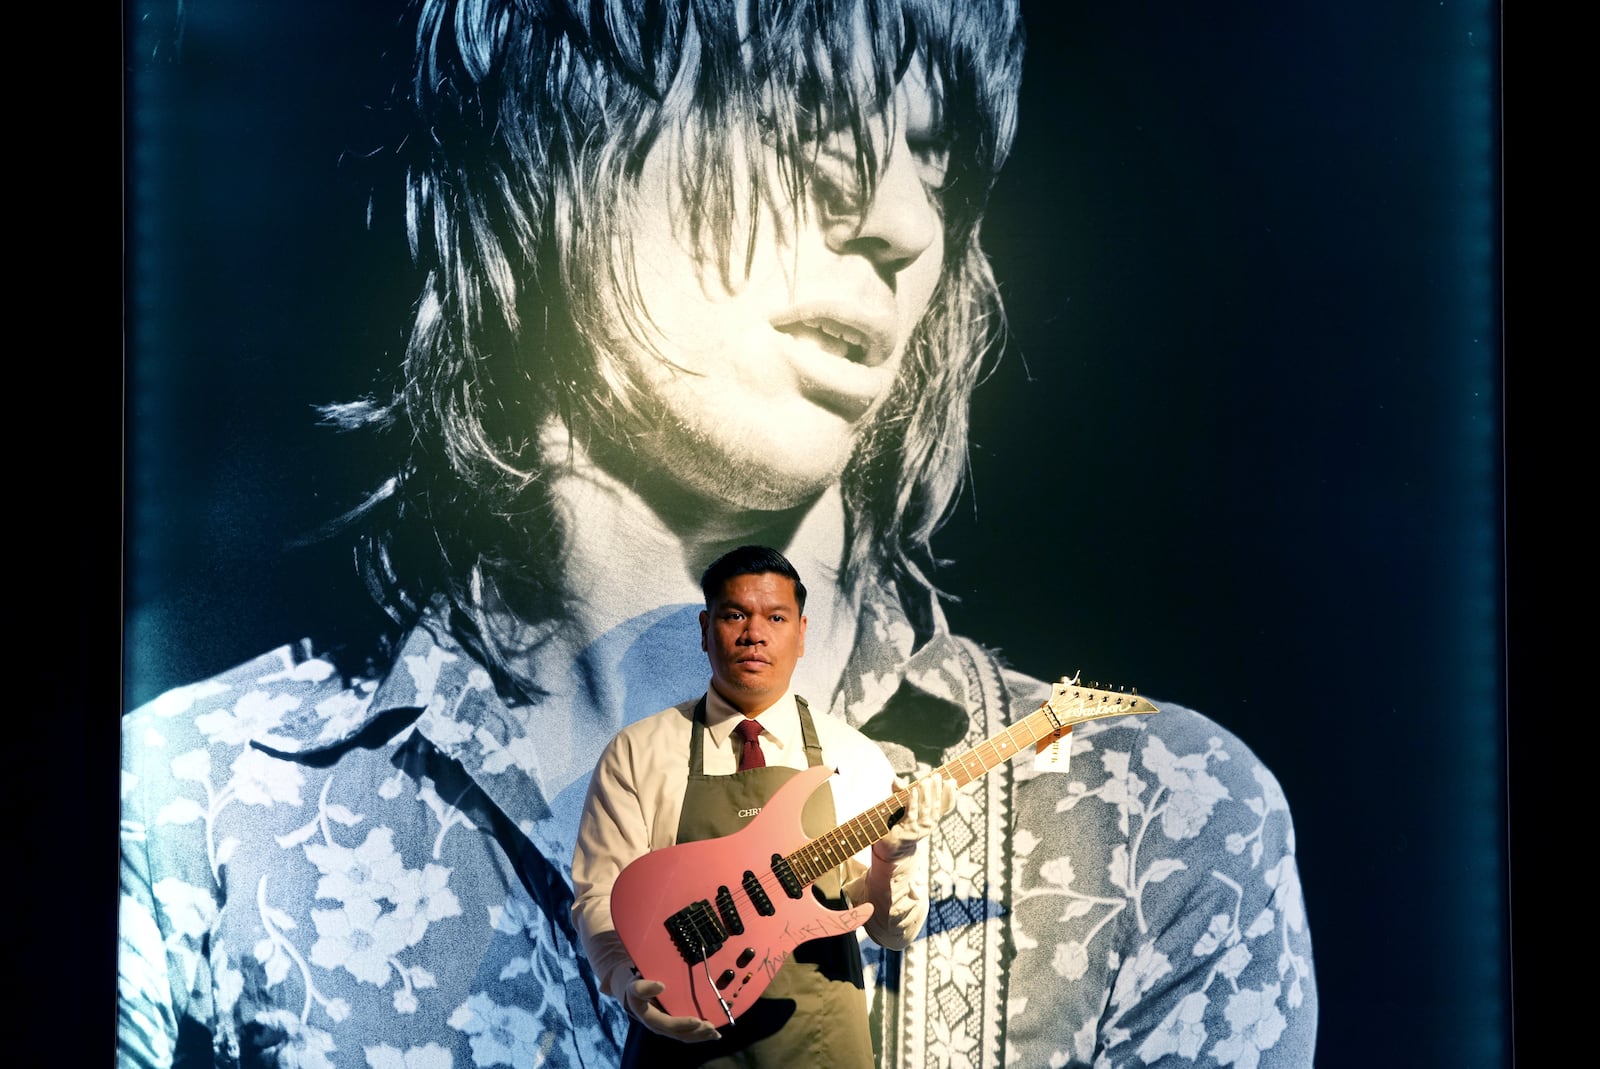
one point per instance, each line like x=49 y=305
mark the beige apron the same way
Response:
x=813 y=1014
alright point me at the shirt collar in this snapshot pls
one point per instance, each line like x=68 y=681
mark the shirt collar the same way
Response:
x=908 y=684
x=780 y=720
x=455 y=706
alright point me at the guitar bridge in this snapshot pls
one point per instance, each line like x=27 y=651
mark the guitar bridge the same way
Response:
x=696 y=931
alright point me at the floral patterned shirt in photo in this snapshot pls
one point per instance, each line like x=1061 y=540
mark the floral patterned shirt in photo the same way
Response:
x=320 y=871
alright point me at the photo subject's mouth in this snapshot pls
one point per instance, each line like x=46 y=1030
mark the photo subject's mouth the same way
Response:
x=860 y=334
x=841 y=353
x=833 y=338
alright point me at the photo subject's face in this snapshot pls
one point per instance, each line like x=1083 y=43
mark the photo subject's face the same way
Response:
x=763 y=385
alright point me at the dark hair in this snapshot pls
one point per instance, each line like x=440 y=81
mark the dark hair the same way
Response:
x=749 y=560
x=525 y=125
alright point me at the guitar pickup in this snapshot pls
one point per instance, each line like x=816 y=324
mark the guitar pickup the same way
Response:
x=696 y=931
x=791 y=883
x=728 y=911
x=758 y=895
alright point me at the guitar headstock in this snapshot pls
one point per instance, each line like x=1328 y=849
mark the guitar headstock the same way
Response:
x=1072 y=702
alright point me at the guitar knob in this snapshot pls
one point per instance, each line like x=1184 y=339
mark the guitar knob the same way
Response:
x=725 y=979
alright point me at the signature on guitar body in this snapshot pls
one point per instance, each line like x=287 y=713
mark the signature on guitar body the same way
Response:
x=714 y=920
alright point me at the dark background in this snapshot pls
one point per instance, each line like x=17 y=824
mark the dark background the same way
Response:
x=1243 y=451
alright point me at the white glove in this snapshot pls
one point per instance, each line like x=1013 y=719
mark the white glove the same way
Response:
x=927 y=801
x=639 y=998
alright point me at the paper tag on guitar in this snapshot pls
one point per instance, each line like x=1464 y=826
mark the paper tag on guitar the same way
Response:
x=1056 y=756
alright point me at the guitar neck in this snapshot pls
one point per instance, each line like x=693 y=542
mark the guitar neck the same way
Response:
x=1068 y=704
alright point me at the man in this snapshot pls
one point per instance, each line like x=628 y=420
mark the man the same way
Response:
x=693 y=276
x=684 y=775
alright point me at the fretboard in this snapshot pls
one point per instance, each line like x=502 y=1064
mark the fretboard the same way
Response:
x=1049 y=721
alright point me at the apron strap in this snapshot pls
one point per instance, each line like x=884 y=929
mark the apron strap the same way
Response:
x=697 y=737
x=808 y=733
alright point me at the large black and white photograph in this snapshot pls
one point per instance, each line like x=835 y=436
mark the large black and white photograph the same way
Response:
x=839 y=533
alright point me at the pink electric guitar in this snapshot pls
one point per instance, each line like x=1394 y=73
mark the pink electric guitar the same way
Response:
x=713 y=920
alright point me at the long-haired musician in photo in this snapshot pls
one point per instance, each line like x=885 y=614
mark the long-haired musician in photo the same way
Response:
x=692 y=275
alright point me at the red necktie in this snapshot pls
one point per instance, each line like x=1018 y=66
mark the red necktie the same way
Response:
x=750 y=755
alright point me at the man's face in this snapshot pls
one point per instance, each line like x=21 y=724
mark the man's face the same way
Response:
x=753 y=634
x=761 y=387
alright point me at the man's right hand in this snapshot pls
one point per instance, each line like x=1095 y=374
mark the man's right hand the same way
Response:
x=639 y=999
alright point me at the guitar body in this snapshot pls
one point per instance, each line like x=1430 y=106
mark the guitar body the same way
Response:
x=679 y=910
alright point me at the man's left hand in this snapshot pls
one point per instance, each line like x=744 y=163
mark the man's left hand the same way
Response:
x=927 y=801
